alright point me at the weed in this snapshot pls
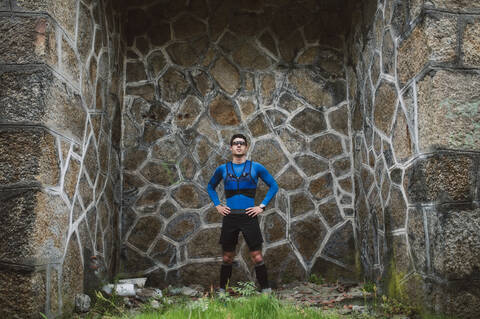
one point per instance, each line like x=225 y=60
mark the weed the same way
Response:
x=316 y=279
x=245 y=289
x=393 y=306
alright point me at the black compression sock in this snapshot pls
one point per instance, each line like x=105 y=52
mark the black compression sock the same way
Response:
x=225 y=274
x=261 y=272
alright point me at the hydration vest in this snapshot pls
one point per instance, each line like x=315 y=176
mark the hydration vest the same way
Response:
x=243 y=184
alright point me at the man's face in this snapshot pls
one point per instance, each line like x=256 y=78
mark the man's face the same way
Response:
x=239 y=147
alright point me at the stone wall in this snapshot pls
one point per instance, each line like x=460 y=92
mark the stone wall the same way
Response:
x=413 y=77
x=198 y=72
x=60 y=97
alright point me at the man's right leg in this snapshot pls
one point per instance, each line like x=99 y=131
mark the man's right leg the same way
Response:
x=226 y=269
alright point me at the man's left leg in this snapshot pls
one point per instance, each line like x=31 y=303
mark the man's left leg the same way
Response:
x=260 y=269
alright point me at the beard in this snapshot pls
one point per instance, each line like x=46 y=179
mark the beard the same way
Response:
x=239 y=155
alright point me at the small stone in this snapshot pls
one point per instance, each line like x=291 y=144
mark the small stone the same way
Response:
x=316 y=91
x=188 y=112
x=269 y=154
x=307 y=235
x=248 y=56
x=82 y=303
x=173 y=85
x=385 y=103
x=258 y=127
x=292 y=141
x=267 y=84
x=188 y=54
x=311 y=165
x=309 y=121
x=156 y=63
x=300 y=204
x=226 y=75
x=187 y=27
x=290 y=179
x=223 y=111
x=328 y=146
x=321 y=187
x=289 y=103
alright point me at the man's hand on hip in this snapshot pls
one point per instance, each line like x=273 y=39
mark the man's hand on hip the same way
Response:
x=253 y=211
x=223 y=210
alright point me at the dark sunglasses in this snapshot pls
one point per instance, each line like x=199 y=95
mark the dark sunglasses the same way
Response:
x=239 y=143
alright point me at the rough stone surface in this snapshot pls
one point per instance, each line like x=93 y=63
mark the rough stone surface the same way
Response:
x=189 y=196
x=321 y=187
x=311 y=165
x=29 y=156
x=330 y=212
x=287 y=267
x=269 y=154
x=327 y=146
x=440 y=178
x=307 y=235
x=226 y=75
x=161 y=174
x=385 y=98
x=316 y=92
x=174 y=85
x=205 y=244
x=309 y=121
x=449 y=100
x=471 y=44
x=300 y=204
x=35 y=96
x=223 y=111
x=182 y=226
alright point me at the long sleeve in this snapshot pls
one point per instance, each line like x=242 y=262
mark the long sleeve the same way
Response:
x=212 y=184
x=269 y=180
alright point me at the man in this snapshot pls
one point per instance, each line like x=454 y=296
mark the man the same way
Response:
x=240 y=214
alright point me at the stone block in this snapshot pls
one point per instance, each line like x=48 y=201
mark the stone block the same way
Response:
x=34 y=227
x=190 y=196
x=327 y=146
x=309 y=121
x=22 y=295
x=448 y=111
x=63 y=11
x=307 y=235
x=164 y=252
x=401 y=140
x=188 y=54
x=441 y=178
x=269 y=154
x=182 y=226
x=28 y=40
x=29 y=155
x=72 y=275
x=205 y=244
x=226 y=75
x=435 y=40
x=223 y=111
x=471 y=44
x=145 y=231
x=316 y=91
x=285 y=265
x=454 y=243
x=384 y=108
x=36 y=96
x=462 y=5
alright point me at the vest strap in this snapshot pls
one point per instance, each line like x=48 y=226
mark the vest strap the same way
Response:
x=249 y=192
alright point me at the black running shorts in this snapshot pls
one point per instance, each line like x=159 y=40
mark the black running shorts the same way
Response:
x=233 y=224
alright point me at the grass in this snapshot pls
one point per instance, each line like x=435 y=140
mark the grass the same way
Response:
x=255 y=307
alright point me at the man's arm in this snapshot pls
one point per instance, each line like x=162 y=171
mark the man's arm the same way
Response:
x=212 y=184
x=270 y=181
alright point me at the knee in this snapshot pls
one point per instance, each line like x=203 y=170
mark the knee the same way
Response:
x=228 y=258
x=257 y=258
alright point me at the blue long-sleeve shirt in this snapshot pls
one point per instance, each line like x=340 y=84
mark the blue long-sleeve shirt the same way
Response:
x=240 y=201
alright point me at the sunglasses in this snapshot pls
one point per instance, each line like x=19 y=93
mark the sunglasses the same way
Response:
x=239 y=143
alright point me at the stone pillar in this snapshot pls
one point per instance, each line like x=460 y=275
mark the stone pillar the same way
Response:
x=57 y=164
x=414 y=93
